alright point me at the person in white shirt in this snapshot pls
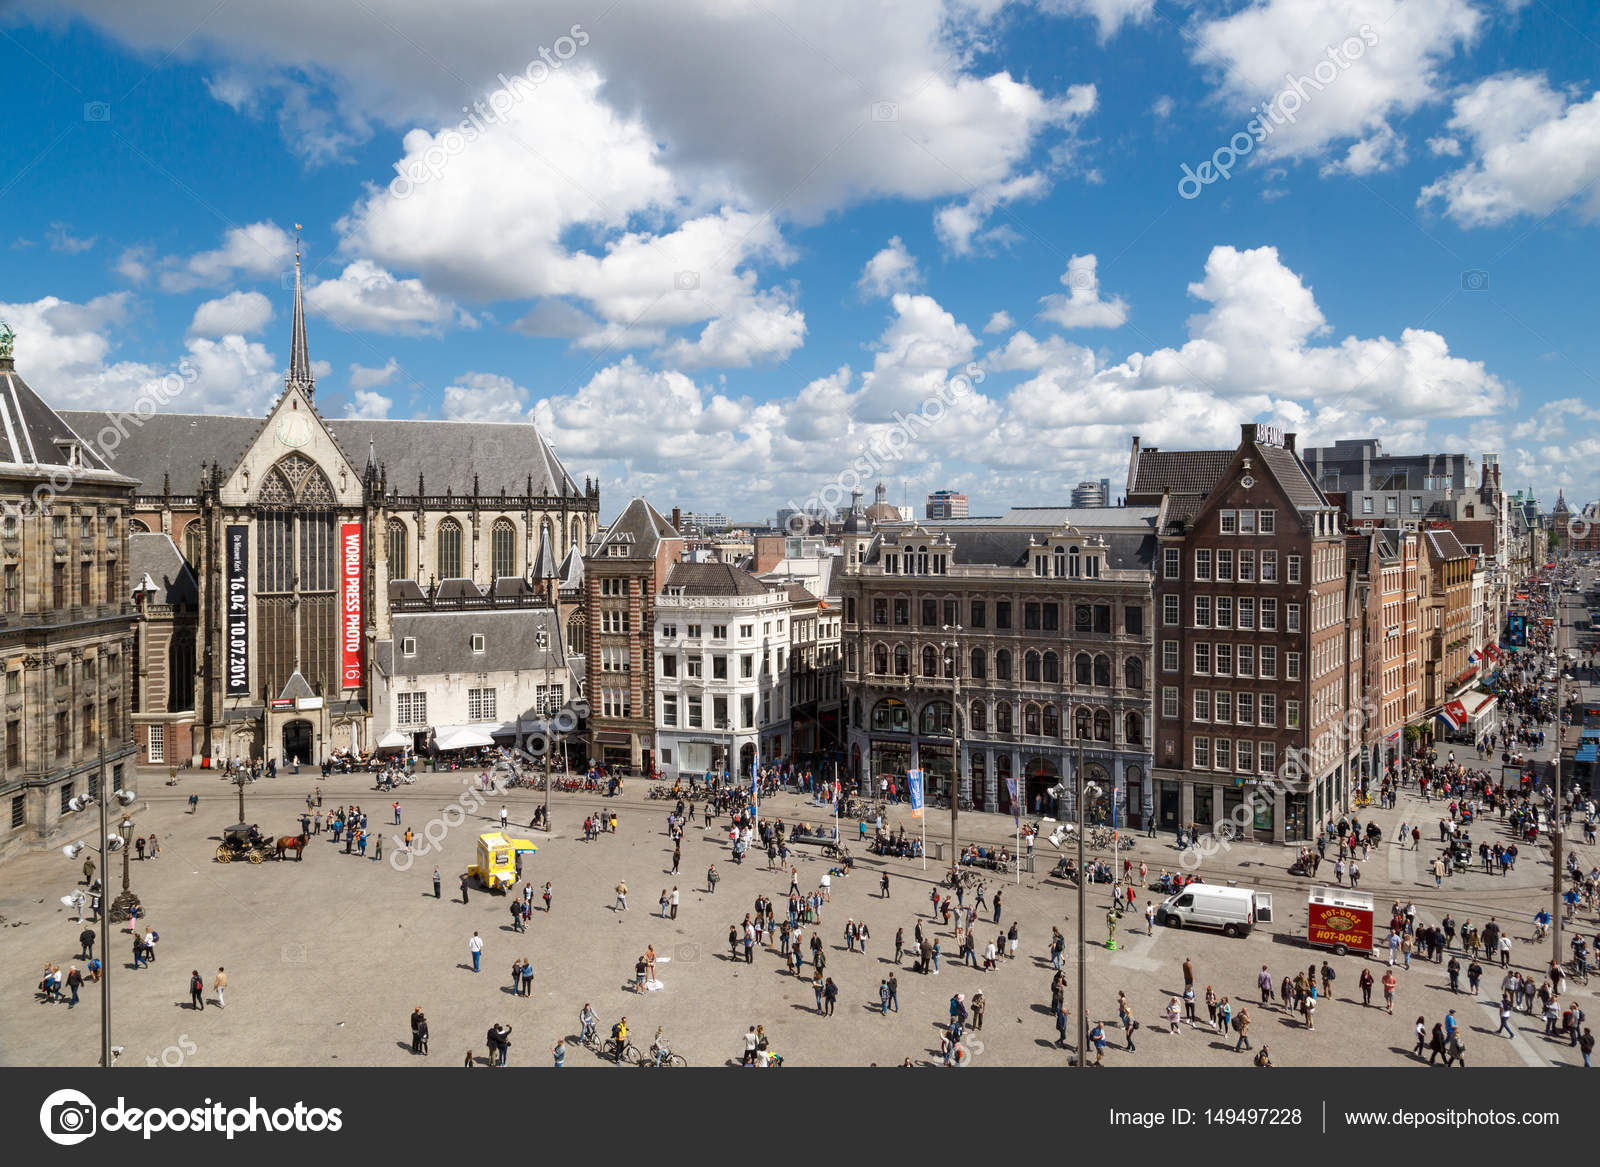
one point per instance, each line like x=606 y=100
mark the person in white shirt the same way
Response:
x=475 y=946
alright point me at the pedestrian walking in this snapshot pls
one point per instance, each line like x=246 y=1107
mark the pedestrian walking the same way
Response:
x=475 y=946
x=197 y=991
x=220 y=986
x=622 y=898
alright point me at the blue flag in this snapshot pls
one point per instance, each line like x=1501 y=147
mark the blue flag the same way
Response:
x=914 y=789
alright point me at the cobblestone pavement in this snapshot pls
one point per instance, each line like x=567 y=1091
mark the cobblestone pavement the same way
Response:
x=326 y=958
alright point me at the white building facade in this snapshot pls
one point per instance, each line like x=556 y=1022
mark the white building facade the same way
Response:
x=721 y=660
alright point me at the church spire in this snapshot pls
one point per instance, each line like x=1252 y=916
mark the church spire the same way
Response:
x=299 y=359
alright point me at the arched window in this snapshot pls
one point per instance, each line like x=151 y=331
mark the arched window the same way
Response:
x=1051 y=722
x=1102 y=671
x=1102 y=726
x=1080 y=722
x=880 y=658
x=1133 y=673
x=399 y=549
x=193 y=535
x=980 y=669
x=1030 y=666
x=1002 y=664
x=1083 y=669
x=1073 y=561
x=1133 y=725
x=575 y=633
x=1002 y=717
x=137 y=527
x=1061 y=562
x=935 y=720
x=930 y=661
x=502 y=549
x=1030 y=719
x=891 y=716
x=1052 y=669
x=575 y=537
x=448 y=537
x=980 y=717
x=902 y=661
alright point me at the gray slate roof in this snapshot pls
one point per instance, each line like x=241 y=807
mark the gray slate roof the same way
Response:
x=640 y=528
x=714 y=579
x=446 y=453
x=157 y=557
x=1445 y=545
x=1010 y=546
x=1180 y=471
x=30 y=429
x=444 y=642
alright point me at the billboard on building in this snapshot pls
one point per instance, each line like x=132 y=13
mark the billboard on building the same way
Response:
x=236 y=603
x=350 y=666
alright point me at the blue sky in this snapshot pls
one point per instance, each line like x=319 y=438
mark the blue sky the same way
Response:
x=716 y=251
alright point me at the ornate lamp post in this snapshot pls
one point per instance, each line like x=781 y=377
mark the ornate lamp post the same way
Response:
x=950 y=650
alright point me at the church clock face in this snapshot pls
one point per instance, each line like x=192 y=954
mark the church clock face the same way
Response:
x=294 y=430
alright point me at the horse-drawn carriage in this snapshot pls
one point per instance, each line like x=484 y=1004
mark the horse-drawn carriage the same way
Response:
x=243 y=841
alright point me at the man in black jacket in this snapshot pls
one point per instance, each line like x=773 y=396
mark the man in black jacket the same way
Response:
x=86 y=944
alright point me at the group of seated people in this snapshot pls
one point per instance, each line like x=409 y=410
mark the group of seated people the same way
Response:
x=974 y=855
x=1171 y=882
x=899 y=845
x=1100 y=871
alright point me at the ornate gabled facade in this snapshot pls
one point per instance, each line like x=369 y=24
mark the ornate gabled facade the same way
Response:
x=66 y=625
x=306 y=534
x=1024 y=639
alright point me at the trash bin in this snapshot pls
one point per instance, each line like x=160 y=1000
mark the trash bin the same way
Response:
x=938 y=850
x=1027 y=863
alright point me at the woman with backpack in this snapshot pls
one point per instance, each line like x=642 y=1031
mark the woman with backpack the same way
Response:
x=197 y=990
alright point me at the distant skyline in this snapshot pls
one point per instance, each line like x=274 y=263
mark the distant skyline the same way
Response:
x=724 y=253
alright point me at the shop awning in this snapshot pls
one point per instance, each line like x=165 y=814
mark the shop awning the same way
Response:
x=394 y=740
x=460 y=737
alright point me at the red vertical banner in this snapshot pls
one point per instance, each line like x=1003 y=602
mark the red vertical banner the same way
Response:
x=350 y=670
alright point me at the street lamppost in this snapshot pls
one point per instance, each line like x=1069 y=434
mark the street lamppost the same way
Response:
x=241 y=779
x=109 y=843
x=951 y=650
x=1557 y=835
x=1083 y=943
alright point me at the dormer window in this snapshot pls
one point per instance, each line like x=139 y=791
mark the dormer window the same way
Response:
x=408 y=646
x=477 y=642
x=71 y=453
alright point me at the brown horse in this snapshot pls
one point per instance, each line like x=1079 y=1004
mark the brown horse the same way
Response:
x=295 y=843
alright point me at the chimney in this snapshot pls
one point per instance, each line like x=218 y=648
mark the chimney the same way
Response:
x=769 y=551
x=1247 y=433
x=1288 y=442
x=677 y=519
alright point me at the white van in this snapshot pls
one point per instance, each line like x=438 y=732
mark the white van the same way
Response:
x=1205 y=905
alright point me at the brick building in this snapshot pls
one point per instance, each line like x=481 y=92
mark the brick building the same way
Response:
x=1253 y=664
x=622 y=575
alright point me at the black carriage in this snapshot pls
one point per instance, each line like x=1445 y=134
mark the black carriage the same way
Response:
x=243 y=841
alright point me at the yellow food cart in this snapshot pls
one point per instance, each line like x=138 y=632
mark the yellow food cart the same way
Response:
x=498 y=856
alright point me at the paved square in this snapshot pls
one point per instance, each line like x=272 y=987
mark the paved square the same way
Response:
x=326 y=958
